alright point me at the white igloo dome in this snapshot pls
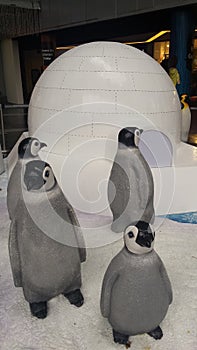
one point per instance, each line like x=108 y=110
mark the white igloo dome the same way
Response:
x=84 y=98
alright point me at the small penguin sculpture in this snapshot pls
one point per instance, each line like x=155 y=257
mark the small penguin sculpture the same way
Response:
x=186 y=117
x=27 y=150
x=136 y=290
x=130 y=187
x=42 y=265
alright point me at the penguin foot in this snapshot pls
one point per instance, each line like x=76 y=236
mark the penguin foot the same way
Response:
x=156 y=333
x=75 y=297
x=39 y=310
x=121 y=338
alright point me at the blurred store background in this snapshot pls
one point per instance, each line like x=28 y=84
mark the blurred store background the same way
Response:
x=34 y=32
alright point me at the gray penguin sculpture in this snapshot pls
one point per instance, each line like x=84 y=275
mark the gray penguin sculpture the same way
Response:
x=41 y=264
x=130 y=187
x=27 y=150
x=136 y=290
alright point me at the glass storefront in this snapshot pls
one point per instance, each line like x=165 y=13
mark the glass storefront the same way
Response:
x=161 y=50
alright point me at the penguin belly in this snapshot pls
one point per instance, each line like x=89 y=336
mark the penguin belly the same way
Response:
x=139 y=300
x=186 y=122
x=48 y=267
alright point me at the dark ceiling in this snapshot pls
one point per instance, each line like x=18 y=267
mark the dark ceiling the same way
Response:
x=132 y=28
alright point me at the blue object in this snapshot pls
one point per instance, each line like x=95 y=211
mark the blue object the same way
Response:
x=190 y=217
x=182 y=29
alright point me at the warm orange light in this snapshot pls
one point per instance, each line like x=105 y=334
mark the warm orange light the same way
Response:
x=126 y=43
x=134 y=42
x=66 y=47
x=157 y=35
x=150 y=39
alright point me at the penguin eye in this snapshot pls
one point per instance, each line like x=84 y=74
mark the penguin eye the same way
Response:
x=36 y=143
x=137 y=133
x=35 y=146
x=130 y=234
x=47 y=173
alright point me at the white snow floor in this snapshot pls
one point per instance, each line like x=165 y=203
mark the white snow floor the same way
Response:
x=69 y=328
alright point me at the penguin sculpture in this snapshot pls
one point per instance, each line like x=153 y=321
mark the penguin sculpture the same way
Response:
x=130 y=188
x=186 y=118
x=27 y=150
x=136 y=290
x=42 y=264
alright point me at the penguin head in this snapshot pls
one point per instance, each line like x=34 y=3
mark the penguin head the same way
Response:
x=29 y=147
x=129 y=137
x=139 y=239
x=39 y=176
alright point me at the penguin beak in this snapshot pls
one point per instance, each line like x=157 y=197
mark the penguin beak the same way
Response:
x=145 y=239
x=148 y=244
x=30 y=185
x=42 y=144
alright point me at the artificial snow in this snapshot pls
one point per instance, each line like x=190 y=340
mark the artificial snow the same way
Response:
x=70 y=328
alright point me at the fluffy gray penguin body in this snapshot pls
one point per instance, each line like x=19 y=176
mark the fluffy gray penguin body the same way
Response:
x=42 y=264
x=136 y=290
x=130 y=188
x=27 y=150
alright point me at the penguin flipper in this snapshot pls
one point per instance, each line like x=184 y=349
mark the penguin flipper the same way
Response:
x=65 y=210
x=110 y=278
x=118 y=190
x=12 y=190
x=14 y=255
x=78 y=234
x=166 y=280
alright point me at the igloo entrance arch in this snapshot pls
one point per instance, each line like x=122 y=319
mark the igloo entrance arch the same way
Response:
x=156 y=149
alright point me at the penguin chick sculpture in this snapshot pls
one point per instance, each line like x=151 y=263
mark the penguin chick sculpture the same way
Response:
x=42 y=265
x=186 y=118
x=27 y=150
x=136 y=290
x=130 y=188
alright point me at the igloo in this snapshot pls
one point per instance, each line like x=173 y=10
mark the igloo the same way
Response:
x=80 y=103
